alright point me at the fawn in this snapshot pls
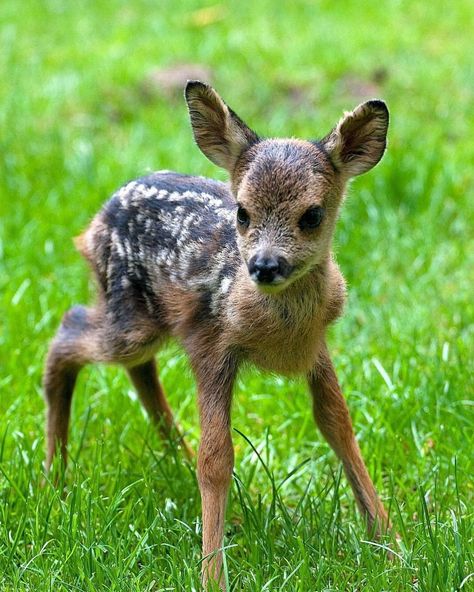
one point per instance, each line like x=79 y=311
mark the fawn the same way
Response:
x=238 y=272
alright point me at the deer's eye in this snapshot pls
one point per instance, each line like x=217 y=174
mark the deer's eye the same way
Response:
x=312 y=218
x=242 y=217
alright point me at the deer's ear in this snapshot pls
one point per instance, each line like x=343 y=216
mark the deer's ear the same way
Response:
x=358 y=141
x=220 y=134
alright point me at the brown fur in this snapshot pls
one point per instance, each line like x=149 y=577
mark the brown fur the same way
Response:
x=278 y=325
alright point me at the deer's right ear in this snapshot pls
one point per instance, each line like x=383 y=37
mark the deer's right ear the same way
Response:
x=220 y=134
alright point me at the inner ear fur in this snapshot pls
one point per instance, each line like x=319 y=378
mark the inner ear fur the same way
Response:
x=219 y=132
x=358 y=141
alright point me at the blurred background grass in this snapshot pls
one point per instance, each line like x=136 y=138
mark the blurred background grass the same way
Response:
x=91 y=96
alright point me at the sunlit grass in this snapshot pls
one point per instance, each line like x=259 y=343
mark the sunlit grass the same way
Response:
x=75 y=124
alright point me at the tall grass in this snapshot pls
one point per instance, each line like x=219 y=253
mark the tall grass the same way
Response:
x=77 y=119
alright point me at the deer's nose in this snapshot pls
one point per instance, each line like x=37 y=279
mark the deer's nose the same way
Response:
x=264 y=268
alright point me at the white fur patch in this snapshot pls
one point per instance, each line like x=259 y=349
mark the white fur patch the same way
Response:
x=225 y=285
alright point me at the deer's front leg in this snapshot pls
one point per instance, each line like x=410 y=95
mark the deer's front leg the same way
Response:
x=215 y=464
x=332 y=416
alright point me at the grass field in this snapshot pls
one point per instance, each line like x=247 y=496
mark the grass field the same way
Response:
x=80 y=115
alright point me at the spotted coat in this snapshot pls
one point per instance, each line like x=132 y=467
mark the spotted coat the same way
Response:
x=162 y=229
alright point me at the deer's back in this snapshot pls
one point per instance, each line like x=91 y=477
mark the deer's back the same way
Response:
x=163 y=232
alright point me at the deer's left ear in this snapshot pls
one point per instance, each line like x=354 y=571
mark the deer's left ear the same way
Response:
x=358 y=141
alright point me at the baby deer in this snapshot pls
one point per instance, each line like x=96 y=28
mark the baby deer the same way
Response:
x=239 y=272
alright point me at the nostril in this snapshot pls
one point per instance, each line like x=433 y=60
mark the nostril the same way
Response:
x=251 y=265
x=284 y=267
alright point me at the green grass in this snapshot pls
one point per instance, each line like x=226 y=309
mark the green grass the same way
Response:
x=74 y=125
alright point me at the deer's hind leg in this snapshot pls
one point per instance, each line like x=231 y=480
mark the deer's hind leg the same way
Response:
x=147 y=384
x=75 y=344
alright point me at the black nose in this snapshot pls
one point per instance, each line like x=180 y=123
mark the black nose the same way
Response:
x=264 y=268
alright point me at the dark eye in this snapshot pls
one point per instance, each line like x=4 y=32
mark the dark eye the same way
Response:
x=242 y=217
x=312 y=218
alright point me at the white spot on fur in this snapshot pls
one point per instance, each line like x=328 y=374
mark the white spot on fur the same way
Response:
x=150 y=192
x=225 y=285
x=128 y=249
x=117 y=245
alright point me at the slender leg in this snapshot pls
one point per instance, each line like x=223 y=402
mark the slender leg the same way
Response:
x=215 y=463
x=332 y=416
x=59 y=387
x=145 y=379
x=71 y=349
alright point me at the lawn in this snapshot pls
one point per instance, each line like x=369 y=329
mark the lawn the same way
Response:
x=81 y=112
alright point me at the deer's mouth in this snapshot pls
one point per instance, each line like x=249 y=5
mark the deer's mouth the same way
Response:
x=277 y=283
x=273 y=288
